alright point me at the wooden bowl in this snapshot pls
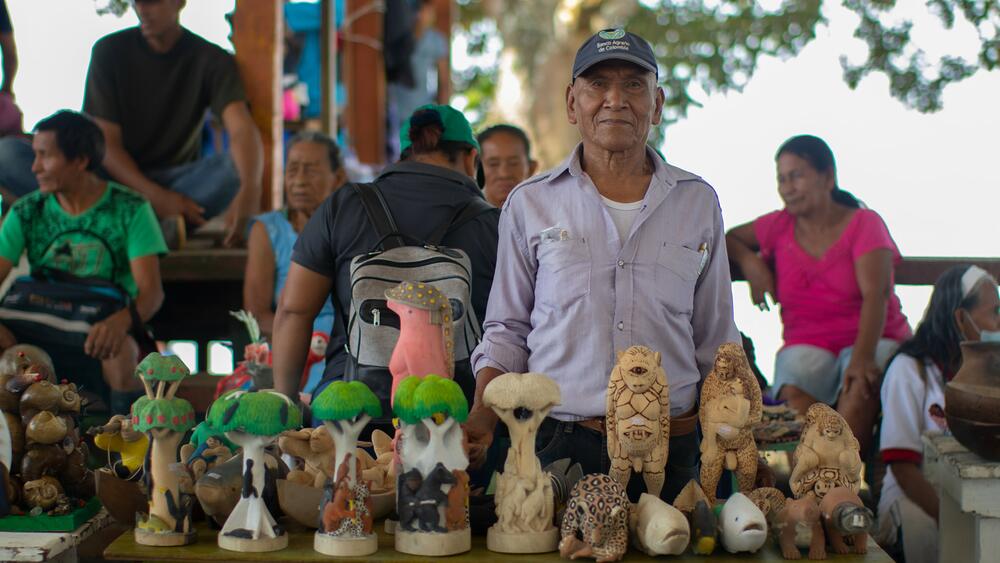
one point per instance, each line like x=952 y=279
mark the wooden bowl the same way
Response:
x=982 y=438
x=301 y=502
x=122 y=498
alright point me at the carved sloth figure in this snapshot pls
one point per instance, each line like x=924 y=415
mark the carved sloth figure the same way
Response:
x=638 y=418
x=827 y=455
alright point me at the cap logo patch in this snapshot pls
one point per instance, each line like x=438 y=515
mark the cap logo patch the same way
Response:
x=611 y=34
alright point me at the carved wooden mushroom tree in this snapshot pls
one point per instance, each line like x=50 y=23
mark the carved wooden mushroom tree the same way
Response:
x=165 y=419
x=252 y=420
x=524 y=492
x=345 y=527
x=433 y=488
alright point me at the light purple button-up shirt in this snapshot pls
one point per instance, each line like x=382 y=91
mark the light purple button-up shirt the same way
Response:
x=568 y=293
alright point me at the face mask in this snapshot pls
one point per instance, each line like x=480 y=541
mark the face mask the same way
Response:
x=984 y=335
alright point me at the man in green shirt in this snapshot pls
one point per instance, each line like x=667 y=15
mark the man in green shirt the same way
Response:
x=82 y=225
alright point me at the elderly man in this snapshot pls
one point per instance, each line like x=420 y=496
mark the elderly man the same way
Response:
x=610 y=249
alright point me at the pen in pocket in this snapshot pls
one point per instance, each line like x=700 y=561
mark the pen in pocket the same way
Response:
x=703 y=250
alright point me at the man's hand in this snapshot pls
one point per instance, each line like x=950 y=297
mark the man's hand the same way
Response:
x=106 y=337
x=170 y=203
x=863 y=373
x=479 y=433
x=6 y=338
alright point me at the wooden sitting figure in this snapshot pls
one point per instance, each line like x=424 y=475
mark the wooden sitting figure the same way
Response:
x=827 y=455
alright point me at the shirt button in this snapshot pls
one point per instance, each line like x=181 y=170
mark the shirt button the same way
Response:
x=621 y=263
x=621 y=325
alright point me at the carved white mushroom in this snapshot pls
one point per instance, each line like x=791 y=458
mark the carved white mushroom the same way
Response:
x=522 y=401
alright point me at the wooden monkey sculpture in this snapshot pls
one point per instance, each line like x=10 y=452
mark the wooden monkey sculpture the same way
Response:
x=730 y=406
x=827 y=455
x=638 y=418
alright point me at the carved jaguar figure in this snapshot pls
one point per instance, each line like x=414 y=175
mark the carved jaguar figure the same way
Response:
x=597 y=512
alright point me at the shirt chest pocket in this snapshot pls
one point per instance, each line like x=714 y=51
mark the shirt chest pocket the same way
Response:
x=677 y=270
x=563 y=272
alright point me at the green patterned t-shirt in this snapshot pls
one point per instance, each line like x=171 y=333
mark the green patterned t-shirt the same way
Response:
x=98 y=243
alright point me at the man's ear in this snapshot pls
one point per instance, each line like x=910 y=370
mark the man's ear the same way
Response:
x=532 y=167
x=470 y=163
x=570 y=104
x=339 y=178
x=660 y=100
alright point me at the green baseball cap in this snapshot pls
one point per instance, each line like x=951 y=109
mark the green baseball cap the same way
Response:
x=456 y=126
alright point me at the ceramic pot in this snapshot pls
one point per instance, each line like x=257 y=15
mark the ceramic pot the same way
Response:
x=972 y=399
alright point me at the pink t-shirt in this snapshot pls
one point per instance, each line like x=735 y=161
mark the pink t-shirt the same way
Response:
x=820 y=298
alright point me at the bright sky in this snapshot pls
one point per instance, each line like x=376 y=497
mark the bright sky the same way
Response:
x=931 y=177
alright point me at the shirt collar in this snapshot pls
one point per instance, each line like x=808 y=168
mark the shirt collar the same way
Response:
x=664 y=178
x=410 y=167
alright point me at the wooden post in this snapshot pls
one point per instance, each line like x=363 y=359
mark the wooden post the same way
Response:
x=328 y=37
x=445 y=17
x=365 y=78
x=258 y=36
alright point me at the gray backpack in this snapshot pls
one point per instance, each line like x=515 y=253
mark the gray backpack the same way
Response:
x=373 y=328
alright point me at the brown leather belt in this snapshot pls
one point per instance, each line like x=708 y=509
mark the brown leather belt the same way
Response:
x=679 y=425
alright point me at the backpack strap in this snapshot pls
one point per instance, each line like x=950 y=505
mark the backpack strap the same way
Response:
x=474 y=208
x=379 y=215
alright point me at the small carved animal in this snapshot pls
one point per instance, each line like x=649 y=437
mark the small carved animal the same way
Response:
x=596 y=520
x=638 y=418
x=339 y=507
x=458 y=501
x=730 y=406
x=827 y=456
x=797 y=525
x=406 y=499
x=845 y=516
x=430 y=497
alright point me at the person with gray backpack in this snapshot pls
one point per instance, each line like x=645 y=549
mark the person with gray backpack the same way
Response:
x=422 y=219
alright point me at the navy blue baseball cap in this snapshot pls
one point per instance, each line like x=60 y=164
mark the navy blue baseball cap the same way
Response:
x=614 y=44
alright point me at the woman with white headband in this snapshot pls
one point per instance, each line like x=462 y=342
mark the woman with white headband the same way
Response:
x=964 y=305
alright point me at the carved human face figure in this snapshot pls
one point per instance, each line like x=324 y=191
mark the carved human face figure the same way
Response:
x=728 y=359
x=830 y=429
x=639 y=368
x=43 y=492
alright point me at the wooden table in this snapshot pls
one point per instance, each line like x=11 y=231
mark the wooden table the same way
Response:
x=300 y=548
x=969 y=489
x=49 y=546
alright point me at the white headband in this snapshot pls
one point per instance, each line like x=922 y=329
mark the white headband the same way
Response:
x=971 y=278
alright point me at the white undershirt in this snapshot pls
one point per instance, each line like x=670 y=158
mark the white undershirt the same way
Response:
x=623 y=215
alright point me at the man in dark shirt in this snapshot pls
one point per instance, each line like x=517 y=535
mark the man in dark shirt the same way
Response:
x=148 y=88
x=423 y=191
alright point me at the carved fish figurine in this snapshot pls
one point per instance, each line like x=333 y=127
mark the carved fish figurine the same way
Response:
x=658 y=528
x=742 y=525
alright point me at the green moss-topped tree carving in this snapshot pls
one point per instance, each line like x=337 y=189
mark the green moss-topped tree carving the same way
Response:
x=430 y=409
x=252 y=420
x=165 y=419
x=345 y=408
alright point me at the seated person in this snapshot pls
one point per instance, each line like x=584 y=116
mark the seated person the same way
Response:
x=963 y=304
x=82 y=225
x=312 y=172
x=148 y=88
x=506 y=161
x=829 y=262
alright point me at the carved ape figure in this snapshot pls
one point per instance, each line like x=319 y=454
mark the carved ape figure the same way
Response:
x=638 y=418
x=458 y=502
x=797 y=525
x=597 y=512
x=407 y=501
x=430 y=497
x=827 y=455
x=730 y=406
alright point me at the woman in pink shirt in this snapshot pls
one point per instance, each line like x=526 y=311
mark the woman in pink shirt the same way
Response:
x=829 y=262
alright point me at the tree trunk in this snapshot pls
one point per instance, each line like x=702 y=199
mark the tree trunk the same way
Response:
x=250 y=512
x=163 y=454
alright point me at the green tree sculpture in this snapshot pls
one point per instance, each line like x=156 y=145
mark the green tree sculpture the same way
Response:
x=345 y=408
x=431 y=409
x=252 y=420
x=165 y=419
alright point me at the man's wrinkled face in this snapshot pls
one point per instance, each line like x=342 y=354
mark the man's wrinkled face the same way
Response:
x=613 y=104
x=50 y=167
x=505 y=165
x=309 y=176
x=157 y=17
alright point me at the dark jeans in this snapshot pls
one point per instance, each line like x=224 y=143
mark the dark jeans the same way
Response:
x=557 y=440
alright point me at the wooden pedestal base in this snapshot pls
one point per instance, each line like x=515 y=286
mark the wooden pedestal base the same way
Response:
x=247 y=545
x=163 y=539
x=533 y=542
x=433 y=544
x=340 y=546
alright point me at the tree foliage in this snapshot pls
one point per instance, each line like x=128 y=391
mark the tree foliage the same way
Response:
x=418 y=398
x=344 y=400
x=262 y=413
